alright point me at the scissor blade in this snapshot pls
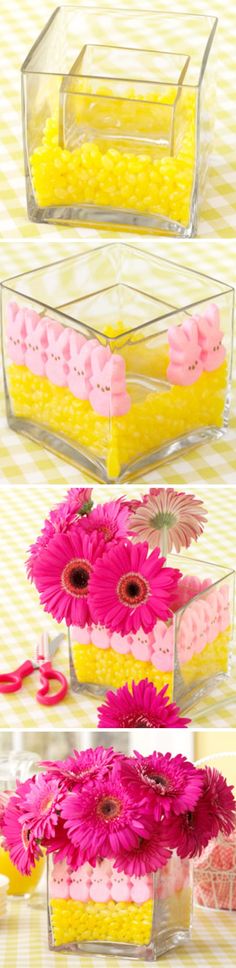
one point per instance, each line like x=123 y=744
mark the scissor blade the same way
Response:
x=55 y=643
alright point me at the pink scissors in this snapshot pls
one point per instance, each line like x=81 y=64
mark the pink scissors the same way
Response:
x=45 y=649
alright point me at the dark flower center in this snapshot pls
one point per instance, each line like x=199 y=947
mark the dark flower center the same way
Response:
x=109 y=808
x=159 y=782
x=132 y=589
x=138 y=721
x=106 y=531
x=25 y=836
x=189 y=818
x=75 y=577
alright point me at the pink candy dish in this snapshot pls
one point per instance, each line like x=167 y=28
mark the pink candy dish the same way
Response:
x=215 y=875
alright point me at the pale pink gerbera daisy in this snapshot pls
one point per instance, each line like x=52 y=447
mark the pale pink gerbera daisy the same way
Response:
x=41 y=807
x=103 y=818
x=77 y=502
x=171 y=784
x=147 y=856
x=214 y=811
x=21 y=844
x=109 y=520
x=167 y=519
x=142 y=707
x=129 y=589
x=81 y=767
x=62 y=576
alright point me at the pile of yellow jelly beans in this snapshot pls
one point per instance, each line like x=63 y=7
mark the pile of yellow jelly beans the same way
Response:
x=101 y=176
x=152 y=422
x=124 y=922
x=212 y=661
x=108 y=668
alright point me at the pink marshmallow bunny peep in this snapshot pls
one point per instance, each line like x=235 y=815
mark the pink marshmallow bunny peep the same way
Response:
x=210 y=338
x=80 y=364
x=16 y=333
x=185 y=354
x=163 y=647
x=36 y=343
x=108 y=395
x=80 y=884
x=56 y=368
x=59 y=881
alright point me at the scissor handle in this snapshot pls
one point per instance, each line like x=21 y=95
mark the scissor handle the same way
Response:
x=12 y=681
x=46 y=674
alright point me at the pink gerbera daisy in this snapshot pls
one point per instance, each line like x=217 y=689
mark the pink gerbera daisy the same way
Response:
x=21 y=844
x=81 y=767
x=171 y=784
x=62 y=575
x=41 y=807
x=76 y=503
x=142 y=707
x=147 y=856
x=104 y=818
x=167 y=519
x=213 y=812
x=62 y=847
x=129 y=589
x=4 y=797
x=109 y=520
x=221 y=802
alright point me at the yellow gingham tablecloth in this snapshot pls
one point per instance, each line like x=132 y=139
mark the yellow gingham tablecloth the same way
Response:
x=23 y=940
x=22 y=512
x=20 y=24
x=22 y=461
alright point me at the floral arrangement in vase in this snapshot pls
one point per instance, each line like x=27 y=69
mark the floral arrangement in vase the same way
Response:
x=133 y=615
x=121 y=831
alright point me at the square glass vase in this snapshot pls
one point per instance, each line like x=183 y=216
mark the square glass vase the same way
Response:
x=117 y=132
x=97 y=910
x=117 y=359
x=191 y=652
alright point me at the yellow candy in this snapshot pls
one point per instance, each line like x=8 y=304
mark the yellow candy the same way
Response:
x=108 y=668
x=152 y=421
x=94 y=921
x=130 y=923
x=115 y=177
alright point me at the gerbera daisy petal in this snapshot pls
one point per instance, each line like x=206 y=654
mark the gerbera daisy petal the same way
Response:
x=62 y=576
x=40 y=809
x=105 y=819
x=171 y=784
x=126 y=592
x=80 y=767
x=147 y=856
x=167 y=518
x=108 y=520
x=78 y=501
x=139 y=708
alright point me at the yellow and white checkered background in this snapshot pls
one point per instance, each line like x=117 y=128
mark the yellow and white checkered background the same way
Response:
x=23 y=940
x=22 y=461
x=22 y=512
x=20 y=24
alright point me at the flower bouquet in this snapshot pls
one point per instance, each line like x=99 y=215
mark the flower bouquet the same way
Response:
x=120 y=832
x=132 y=612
